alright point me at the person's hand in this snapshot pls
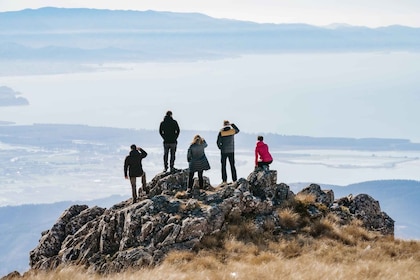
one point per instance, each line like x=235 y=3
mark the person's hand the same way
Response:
x=138 y=148
x=126 y=177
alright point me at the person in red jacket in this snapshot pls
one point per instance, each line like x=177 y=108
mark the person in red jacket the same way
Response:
x=262 y=156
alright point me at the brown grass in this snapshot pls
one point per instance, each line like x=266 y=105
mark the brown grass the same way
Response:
x=302 y=257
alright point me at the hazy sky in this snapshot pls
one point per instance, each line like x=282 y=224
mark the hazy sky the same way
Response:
x=371 y=13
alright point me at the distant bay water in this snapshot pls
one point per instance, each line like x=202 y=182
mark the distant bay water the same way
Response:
x=32 y=174
x=358 y=95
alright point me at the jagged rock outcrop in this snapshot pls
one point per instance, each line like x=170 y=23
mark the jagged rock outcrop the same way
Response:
x=134 y=235
x=362 y=207
x=366 y=209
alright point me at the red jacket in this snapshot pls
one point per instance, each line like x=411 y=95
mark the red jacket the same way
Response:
x=262 y=153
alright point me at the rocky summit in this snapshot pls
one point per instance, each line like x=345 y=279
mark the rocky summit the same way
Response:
x=130 y=235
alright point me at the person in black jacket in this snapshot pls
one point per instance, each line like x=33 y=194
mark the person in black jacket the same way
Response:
x=133 y=169
x=169 y=130
x=226 y=144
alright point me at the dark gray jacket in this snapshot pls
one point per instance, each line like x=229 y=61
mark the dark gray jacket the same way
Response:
x=226 y=138
x=197 y=158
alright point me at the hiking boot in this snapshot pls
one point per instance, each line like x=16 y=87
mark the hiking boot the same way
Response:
x=222 y=184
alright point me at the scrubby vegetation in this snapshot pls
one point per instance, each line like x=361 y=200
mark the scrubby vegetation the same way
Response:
x=307 y=249
x=293 y=257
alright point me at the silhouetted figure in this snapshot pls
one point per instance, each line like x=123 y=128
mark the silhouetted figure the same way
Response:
x=169 y=130
x=226 y=144
x=197 y=161
x=134 y=169
x=263 y=157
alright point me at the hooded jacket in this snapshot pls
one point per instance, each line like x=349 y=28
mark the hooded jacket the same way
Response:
x=225 y=138
x=262 y=153
x=169 y=130
x=132 y=163
x=197 y=160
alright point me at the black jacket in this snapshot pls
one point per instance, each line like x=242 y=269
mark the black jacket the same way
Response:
x=132 y=163
x=169 y=130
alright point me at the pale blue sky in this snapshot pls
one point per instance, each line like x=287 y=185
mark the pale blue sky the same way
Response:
x=372 y=13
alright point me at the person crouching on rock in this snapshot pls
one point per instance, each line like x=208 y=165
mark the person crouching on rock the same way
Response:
x=197 y=161
x=263 y=157
x=133 y=165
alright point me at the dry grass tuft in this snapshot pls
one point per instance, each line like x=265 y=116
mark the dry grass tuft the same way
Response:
x=235 y=248
x=288 y=219
x=356 y=231
x=291 y=249
x=205 y=262
x=179 y=257
x=262 y=258
x=305 y=199
x=301 y=203
x=323 y=227
x=269 y=225
x=248 y=232
x=215 y=241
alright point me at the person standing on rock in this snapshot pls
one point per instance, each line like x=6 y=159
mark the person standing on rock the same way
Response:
x=169 y=130
x=133 y=168
x=197 y=161
x=263 y=157
x=226 y=144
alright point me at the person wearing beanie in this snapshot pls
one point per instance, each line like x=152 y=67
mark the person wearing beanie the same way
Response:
x=226 y=144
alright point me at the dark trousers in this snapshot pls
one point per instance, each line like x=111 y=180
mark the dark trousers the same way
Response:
x=169 y=148
x=133 y=181
x=191 y=179
x=231 y=157
x=262 y=163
